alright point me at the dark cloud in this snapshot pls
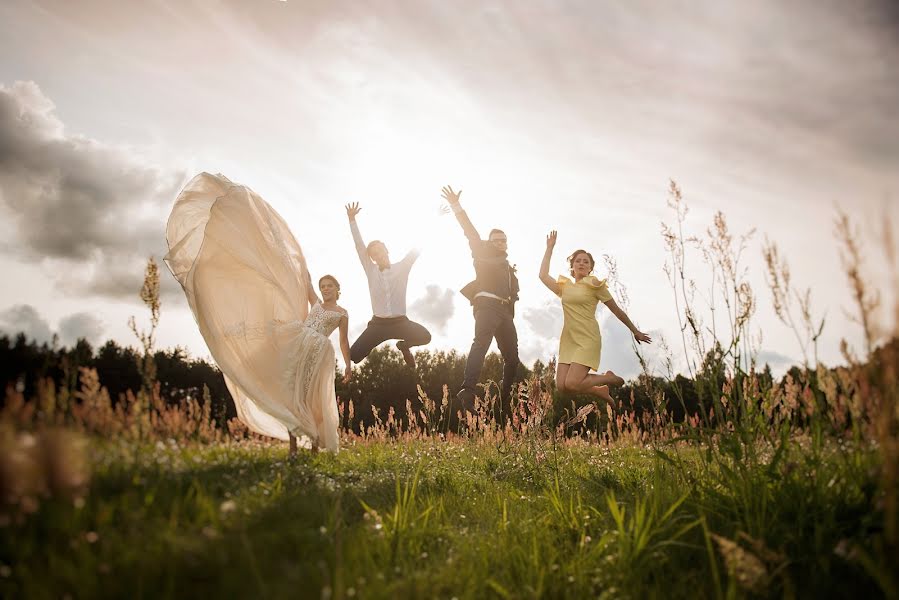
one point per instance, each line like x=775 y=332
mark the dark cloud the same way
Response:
x=24 y=318
x=78 y=204
x=80 y=326
x=435 y=308
x=121 y=280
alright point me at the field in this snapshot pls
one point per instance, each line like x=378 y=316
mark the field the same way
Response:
x=465 y=518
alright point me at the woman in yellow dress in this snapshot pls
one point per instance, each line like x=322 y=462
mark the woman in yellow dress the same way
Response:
x=581 y=344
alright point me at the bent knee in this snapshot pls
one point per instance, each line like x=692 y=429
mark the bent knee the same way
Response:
x=357 y=355
x=574 y=386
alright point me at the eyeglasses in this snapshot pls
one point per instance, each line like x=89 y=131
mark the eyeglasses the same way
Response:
x=499 y=240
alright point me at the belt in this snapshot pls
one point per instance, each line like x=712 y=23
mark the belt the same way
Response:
x=492 y=297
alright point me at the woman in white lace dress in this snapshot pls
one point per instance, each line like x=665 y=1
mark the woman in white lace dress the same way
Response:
x=248 y=287
x=315 y=355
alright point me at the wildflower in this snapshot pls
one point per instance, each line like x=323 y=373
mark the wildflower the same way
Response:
x=744 y=566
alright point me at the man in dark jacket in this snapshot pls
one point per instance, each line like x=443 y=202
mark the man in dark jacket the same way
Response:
x=492 y=294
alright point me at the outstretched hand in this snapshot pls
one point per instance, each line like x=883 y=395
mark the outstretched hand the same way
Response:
x=347 y=374
x=551 y=240
x=642 y=337
x=450 y=196
x=352 y=209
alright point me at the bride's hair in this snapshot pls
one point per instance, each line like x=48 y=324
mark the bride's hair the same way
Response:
x=332 y=278
x=574 y=255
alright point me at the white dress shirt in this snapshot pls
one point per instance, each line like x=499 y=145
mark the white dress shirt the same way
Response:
x=388 y=287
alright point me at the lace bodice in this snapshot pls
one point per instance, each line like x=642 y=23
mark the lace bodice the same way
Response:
x=323 y=321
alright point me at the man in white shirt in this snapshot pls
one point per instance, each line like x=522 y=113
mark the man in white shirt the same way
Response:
x=387 y=287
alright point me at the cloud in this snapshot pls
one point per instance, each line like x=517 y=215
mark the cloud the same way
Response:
x=533 y=348
x=436 y=307
x=617 y=351
x=545 y=320
x=779 y=363
x=24 y=318
x=91 y=212
x=80 y=326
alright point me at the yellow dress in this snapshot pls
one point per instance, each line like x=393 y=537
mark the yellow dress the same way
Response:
x=580 y=342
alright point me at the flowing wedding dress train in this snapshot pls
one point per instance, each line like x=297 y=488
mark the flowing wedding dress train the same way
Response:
x=244 y=276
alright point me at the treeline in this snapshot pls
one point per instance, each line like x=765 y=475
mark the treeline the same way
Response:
x=383 y=381
x=25 y=363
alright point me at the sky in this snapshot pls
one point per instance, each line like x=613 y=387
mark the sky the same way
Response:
x=571 y=116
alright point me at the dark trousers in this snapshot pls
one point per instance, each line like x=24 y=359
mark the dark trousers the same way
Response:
x=380 y=329
x=492 y=319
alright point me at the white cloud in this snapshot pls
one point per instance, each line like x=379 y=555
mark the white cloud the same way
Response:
x=435 y=308
x=544 y=320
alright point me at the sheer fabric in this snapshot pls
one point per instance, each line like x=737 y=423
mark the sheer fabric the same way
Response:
x=244 y=276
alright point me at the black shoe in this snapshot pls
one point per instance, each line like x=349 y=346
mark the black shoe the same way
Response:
x=407 y=354
x=466 y=401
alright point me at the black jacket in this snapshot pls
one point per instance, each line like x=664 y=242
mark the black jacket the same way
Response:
x=493 y=273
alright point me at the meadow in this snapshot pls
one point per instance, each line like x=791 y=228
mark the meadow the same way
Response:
x=763 y=488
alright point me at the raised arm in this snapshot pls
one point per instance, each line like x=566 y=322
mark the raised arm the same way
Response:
x=352 y=210
x=548 y=281
x=622 y=316
x=452 y=198
x=311 y=296
x=410 y=258
x=345 y=348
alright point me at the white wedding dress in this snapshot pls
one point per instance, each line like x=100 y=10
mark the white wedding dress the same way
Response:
x=244 y=276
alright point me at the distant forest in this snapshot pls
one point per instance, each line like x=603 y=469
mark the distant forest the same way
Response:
x=382 y=381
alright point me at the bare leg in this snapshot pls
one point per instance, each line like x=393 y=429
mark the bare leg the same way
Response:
x=293 y=445
x=578 y=379
x=607 y=378
x=561 y=375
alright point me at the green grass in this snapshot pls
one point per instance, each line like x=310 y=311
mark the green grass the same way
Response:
x=447 y=519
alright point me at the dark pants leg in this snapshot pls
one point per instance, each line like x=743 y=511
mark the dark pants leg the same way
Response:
x=411 y=334
x=380 y=330
x=491 y=320
x=507 y=340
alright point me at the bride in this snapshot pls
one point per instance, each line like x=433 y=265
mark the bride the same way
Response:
x=248 y=287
